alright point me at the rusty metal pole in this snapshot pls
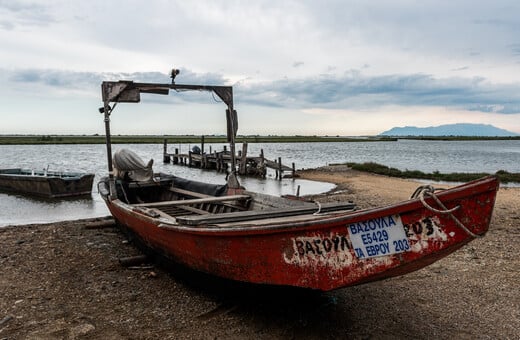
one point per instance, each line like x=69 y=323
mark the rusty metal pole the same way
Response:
x=108 y=141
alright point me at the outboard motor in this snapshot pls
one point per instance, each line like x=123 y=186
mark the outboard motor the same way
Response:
x=129 y=166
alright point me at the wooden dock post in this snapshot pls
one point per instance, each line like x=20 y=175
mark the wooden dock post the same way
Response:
x=243 y=160
x=280 y=171
x=166 y=157
x=202 y=145
x=204 y=163
x=176 y=157
x=220 y=161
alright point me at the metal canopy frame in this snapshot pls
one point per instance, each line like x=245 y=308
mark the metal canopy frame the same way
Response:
x=130 y=92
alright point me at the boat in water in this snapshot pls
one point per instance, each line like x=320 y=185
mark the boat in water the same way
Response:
x=45 y=183
x=228 y=231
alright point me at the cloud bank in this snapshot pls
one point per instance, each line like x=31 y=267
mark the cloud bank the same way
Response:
x=286 y=60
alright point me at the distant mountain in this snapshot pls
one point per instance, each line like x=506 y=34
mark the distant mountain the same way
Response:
x=481 y=130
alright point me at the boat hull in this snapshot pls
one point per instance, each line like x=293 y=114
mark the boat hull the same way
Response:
x=46 y=184
x=319 y=251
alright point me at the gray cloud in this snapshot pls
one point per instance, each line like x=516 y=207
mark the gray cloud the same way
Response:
x=53 y=78
x=515 y=49
x=85 y=80
x=23 y=13
x=353 y=90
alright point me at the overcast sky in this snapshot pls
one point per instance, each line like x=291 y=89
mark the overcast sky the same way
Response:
x=297 y=67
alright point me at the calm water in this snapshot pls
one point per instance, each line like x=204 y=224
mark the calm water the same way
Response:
x=427 y=156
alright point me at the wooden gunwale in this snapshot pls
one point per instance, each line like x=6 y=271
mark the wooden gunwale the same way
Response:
x=319 y=222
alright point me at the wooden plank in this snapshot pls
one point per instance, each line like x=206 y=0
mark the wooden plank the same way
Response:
x=262 y=214
x=161 y=213
x=276 y=166
x=194 y=201
x=194 y=210
x=199 y=195
x=189 y=193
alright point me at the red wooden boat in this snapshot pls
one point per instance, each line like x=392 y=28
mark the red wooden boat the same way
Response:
x=230 y=232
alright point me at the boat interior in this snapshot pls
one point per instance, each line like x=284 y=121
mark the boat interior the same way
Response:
x=195 y=203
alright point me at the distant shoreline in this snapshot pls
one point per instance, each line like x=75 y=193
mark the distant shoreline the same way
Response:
x=190 y=139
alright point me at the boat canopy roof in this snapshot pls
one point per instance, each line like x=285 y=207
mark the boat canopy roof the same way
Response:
x=126 y=91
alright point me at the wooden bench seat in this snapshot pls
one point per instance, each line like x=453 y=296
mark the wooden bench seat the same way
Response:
x=210 y=199
x=188 y=193
x=262 y=214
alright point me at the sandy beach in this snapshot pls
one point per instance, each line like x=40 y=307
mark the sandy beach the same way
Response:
x=64 y=281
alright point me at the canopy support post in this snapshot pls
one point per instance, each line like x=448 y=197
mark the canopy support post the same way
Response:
x=108 y=142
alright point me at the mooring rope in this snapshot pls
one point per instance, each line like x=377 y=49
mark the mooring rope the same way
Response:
x=430 y=191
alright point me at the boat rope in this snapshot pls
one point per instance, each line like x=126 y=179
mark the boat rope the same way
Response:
x=429 y=190
x=319 y=208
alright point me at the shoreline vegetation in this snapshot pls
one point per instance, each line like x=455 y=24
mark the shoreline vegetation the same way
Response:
x=375 y=168
x=185 y=139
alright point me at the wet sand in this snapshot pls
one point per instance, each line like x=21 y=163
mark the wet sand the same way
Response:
x=63 y=281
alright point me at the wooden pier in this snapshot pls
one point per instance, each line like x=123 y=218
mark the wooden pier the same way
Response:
x=221 y=161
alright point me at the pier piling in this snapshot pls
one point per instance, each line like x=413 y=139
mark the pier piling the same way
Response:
x=220 y=161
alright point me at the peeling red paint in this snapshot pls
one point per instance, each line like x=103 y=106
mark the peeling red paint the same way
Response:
x=318 y=253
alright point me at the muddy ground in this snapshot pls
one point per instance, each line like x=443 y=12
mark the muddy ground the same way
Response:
x=64 y=281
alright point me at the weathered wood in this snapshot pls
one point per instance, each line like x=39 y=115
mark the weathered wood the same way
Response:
x=194 y=201
x=274 y=165
x=176 y=157
x=220 y=161
x=263 y=214
x=194 y=210
x=101 y=224
x=190 y=193
x=280 y=170
x=133 y=260
x=243 y=160
x=204 y=163
x=166 y=155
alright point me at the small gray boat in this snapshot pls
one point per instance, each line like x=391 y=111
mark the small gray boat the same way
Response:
x=44 y=183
